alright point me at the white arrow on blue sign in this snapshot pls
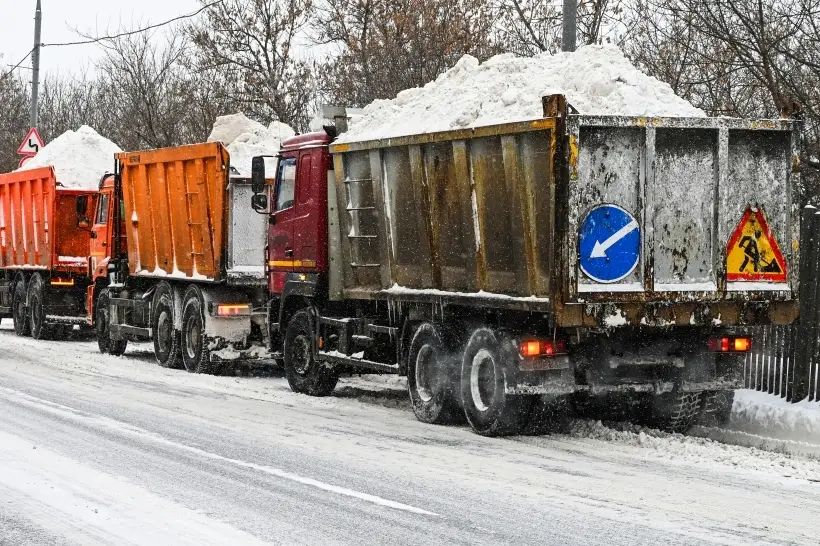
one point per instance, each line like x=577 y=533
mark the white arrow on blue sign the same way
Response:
x=609 y=244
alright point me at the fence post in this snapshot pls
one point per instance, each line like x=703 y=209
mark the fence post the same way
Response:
x=806 y=342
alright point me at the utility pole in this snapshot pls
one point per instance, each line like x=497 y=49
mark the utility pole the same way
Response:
x=570 y=20
x=35 y=66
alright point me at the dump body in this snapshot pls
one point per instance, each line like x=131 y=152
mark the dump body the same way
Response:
x=184 y=219
x=38 y=223
x=527 y=215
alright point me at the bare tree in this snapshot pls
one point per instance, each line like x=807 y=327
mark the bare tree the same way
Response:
x=252 y=44
x=528 y=27
x=14 y=119
x=386 y=46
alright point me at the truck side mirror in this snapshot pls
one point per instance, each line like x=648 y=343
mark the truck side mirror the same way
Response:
x=259 y=202
x=258 y=174
x=82 y=205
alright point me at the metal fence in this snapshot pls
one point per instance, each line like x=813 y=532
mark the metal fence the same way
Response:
x=785 y=360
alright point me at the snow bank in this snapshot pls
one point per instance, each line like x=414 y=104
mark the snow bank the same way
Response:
x=596 y=80
x=80 y=158
x=245 y=139
x=763 y=414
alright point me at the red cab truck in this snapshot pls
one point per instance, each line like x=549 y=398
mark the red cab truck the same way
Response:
x=511 y=270
x=184 y=266
x=44 y=253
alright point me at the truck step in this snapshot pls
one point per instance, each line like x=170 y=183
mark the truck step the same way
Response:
x=339 y=358
x=365 y=265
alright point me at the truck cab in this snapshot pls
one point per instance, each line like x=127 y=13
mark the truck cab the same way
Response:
x=297 y=239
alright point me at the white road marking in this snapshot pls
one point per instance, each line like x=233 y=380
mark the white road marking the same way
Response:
x=84 y=417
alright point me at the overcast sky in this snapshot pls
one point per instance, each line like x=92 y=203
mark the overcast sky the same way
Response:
x=61 y=16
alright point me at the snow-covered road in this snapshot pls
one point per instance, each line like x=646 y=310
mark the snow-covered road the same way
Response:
x=105 y=450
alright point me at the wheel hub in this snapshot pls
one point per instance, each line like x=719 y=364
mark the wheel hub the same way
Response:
x=163 y=332
x=426 y=372
x=193 y=337
x=483 y=380
x=300 y=354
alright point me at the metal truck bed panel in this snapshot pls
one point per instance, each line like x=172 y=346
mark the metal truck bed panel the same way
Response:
x=688 y=183
x=524 y=215
x=39 y=225
x=176 y=211
x=465 y=215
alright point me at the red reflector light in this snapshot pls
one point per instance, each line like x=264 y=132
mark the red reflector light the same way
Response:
x=232 y=310
x=533 y=348
x=730 y=344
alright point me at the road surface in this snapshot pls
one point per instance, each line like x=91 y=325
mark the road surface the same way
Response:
x=105 y=450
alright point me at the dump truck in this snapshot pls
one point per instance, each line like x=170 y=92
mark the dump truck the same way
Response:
x=44 y=250
x=513 y=271
x=186 y=263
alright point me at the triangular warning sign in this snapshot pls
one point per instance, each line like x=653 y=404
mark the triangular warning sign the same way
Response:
x=753 y=253
x=31 y=144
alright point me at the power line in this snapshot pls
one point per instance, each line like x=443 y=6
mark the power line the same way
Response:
x=130 y=33
x=15 y=67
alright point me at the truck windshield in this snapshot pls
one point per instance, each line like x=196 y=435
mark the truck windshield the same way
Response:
x=286 y=183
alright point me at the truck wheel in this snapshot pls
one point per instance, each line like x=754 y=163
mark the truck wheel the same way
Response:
x=489 y=410
x=305 y=375
x=103 y=325
x=19 y=310
x=196 y=357
x=676 y=411
x=430 y=378
x=37 y=309
x=717 y=408
x=166 y=337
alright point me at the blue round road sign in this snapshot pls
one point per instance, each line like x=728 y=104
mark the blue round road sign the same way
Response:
x=609 y=244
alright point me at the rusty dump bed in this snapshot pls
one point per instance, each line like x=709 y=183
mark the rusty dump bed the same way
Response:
x=186 y=219
x=38 y=223
x=598 y=220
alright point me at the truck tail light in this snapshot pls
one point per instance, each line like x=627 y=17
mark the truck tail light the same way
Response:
x=730 y=344
x=233 y=310
x=62 y=282
x=536 y=348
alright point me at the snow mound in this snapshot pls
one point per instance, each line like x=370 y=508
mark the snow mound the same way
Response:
x=80 y=158
x=245 y=139
x=763 y=414
x=597 y=80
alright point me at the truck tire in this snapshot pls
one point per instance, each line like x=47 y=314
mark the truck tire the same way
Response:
x=432 y=379
x=103 y=326
x=22 y=326
x=676 y=411
x=305 y=375
x=37 y=308
x=165 y=335
x=717 y=408
x=488 y=408
x=196 y=356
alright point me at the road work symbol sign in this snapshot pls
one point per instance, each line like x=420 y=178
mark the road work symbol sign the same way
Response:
x=753 y=253
x=32 y=144
x=609 y=244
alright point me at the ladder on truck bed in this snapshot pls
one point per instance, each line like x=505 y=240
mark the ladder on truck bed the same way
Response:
x=363 y=235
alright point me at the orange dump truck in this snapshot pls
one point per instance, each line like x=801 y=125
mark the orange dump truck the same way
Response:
x=193 y=276
x=44 y=249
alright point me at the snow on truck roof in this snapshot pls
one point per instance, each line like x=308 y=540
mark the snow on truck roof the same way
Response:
x=80 y=158
x=597 y=80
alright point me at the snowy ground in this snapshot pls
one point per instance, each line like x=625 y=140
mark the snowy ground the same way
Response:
x=105 y=450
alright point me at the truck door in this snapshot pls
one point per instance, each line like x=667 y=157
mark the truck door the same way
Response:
x=100 y=234
x=308 y=248
x=280 y=236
